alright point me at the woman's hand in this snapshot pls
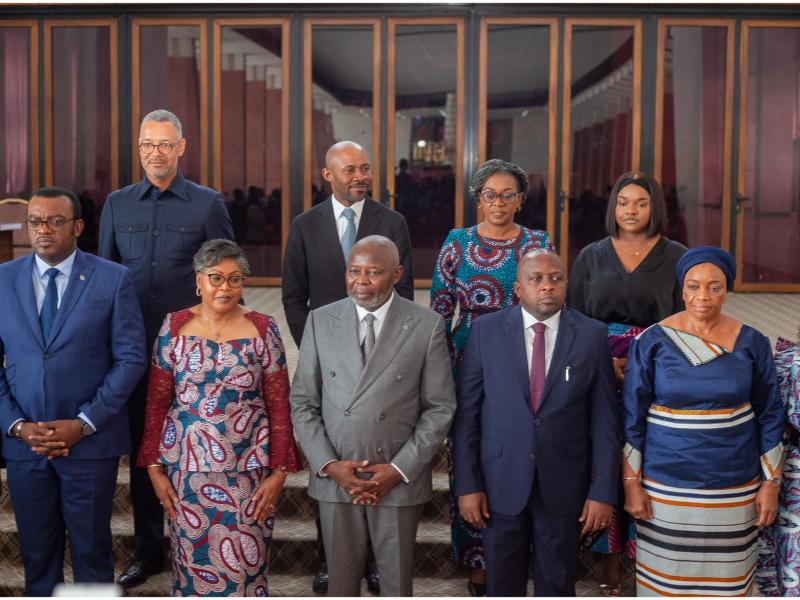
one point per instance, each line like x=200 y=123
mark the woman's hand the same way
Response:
x=266 y=495
x=767 y=503
x=164 y=490
x=637 y=502
x=619 y=368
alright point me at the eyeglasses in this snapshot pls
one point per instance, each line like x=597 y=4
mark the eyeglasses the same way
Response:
x=163 y=147
x=54 y=223
x=234 y=281
x=490 y=196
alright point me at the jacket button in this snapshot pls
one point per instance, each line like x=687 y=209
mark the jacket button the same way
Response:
x=130 y=229
x=155 y=232
x=532 y=456
x=183 y=228
x=382 y=417
x=45 y=356
x=333 y=373
x=399 y=378
x=537 y=422
x=154 y=264
x=158 y=202
x=347 y=413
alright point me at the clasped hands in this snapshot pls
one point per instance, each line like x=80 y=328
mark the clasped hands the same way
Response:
x=51 y=438
x=364 y=491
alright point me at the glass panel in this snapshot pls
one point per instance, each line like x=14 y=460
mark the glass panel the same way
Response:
x=169 y=77
x=772 y=171
x=600 y=129
x=82 y=119
x=342 y=102
x=15 y=108
x=694 y=122
x=517 y=109
x=425 y=137
x=252 y=92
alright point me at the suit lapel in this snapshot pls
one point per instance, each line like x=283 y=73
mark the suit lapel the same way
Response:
x=394 y=332
x=23 y=277
x=515 y=334
x=346 y=332
x=564 y=340
x=329 y=235
x=78 y=280
x=370 y=218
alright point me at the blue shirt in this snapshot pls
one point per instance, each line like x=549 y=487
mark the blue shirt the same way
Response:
x=40 y=279
x=156 y=235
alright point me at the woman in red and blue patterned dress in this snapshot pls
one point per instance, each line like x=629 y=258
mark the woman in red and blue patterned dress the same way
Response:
x=218 y=436
x=475 y=271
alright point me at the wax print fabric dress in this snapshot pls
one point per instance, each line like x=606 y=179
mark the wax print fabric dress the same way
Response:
x=703 y=427
x=218 y=417
x=628 y=303
x=476 y=275
x=779 y=553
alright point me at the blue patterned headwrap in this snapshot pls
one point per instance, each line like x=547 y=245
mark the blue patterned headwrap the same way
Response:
x=707 y=254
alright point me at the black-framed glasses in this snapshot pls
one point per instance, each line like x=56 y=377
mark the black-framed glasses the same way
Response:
x=163 y=148
x=234 y=281
x=54 y=223
x=490 y=196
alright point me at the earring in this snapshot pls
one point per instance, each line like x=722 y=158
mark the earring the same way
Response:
x=197 y=291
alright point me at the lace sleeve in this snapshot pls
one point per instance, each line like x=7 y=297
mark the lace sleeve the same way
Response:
x=275 y=391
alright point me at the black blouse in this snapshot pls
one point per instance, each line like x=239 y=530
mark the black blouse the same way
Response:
x=601 y=288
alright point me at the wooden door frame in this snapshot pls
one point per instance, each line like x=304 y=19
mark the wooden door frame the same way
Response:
x=391 y=87
x=727 y=159
x=636 y=110
x=746 y=25
x=284 y=24
x=552 y=102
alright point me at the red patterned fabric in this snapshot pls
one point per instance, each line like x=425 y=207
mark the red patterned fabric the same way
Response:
x=204 y=413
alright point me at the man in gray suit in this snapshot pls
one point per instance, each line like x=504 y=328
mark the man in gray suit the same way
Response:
x=372 y=401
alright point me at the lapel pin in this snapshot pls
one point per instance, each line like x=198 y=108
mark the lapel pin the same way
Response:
x=82 y=277
x=405 y=326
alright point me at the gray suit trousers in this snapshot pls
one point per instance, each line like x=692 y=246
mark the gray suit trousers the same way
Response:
x=393 y=532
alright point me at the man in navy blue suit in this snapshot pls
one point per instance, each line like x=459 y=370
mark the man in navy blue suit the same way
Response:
x=72 y=346
x=536 y=437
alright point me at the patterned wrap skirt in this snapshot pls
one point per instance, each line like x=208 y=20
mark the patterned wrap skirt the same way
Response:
x=217 y=548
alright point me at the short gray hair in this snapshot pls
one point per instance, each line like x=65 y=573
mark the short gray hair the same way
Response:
x=212 y=252
x=164 y=116
x=493 y=167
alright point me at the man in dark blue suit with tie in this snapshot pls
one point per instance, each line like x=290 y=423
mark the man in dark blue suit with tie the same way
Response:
x=536 y=437
x=71 y=351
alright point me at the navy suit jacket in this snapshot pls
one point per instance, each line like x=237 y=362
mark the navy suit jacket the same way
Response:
x=499 y=445
x=91 y=363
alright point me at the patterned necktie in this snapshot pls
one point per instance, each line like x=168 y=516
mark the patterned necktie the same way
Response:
x=369 y=338
x=537 y=366
x=50 y=304
x=349 y=235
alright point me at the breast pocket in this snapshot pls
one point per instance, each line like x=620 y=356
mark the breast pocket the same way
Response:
x=183 y=241
x=131 y=240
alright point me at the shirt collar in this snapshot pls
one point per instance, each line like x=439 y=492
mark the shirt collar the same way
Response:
x=177 y=187
x=65 y=266
x=529 y=320
x=338 y=207
x=379 y=314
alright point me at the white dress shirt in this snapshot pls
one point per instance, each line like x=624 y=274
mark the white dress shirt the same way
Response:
x=380 y=317
x=40 y=280
x=341 y=222
x=528 y=321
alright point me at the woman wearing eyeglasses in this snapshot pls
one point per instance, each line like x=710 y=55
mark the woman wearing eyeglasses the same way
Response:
x=218 y=436
x=475 y=272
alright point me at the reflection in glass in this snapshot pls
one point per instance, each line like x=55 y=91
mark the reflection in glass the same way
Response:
x=772 y=171
x=600 y=129
x=342 y=103
x=169 y=76
x=517 y=109
x=692 y=171
x=425 y=137
x=15 y=106
x=81 y=60
x=252 y=91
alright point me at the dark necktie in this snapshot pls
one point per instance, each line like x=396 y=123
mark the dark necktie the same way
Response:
x=50 y=304
x=537 y=366
x=369 y=338
x=349 y=235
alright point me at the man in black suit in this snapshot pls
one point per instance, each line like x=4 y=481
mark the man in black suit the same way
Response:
x=316 y=253
x=313 y=264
